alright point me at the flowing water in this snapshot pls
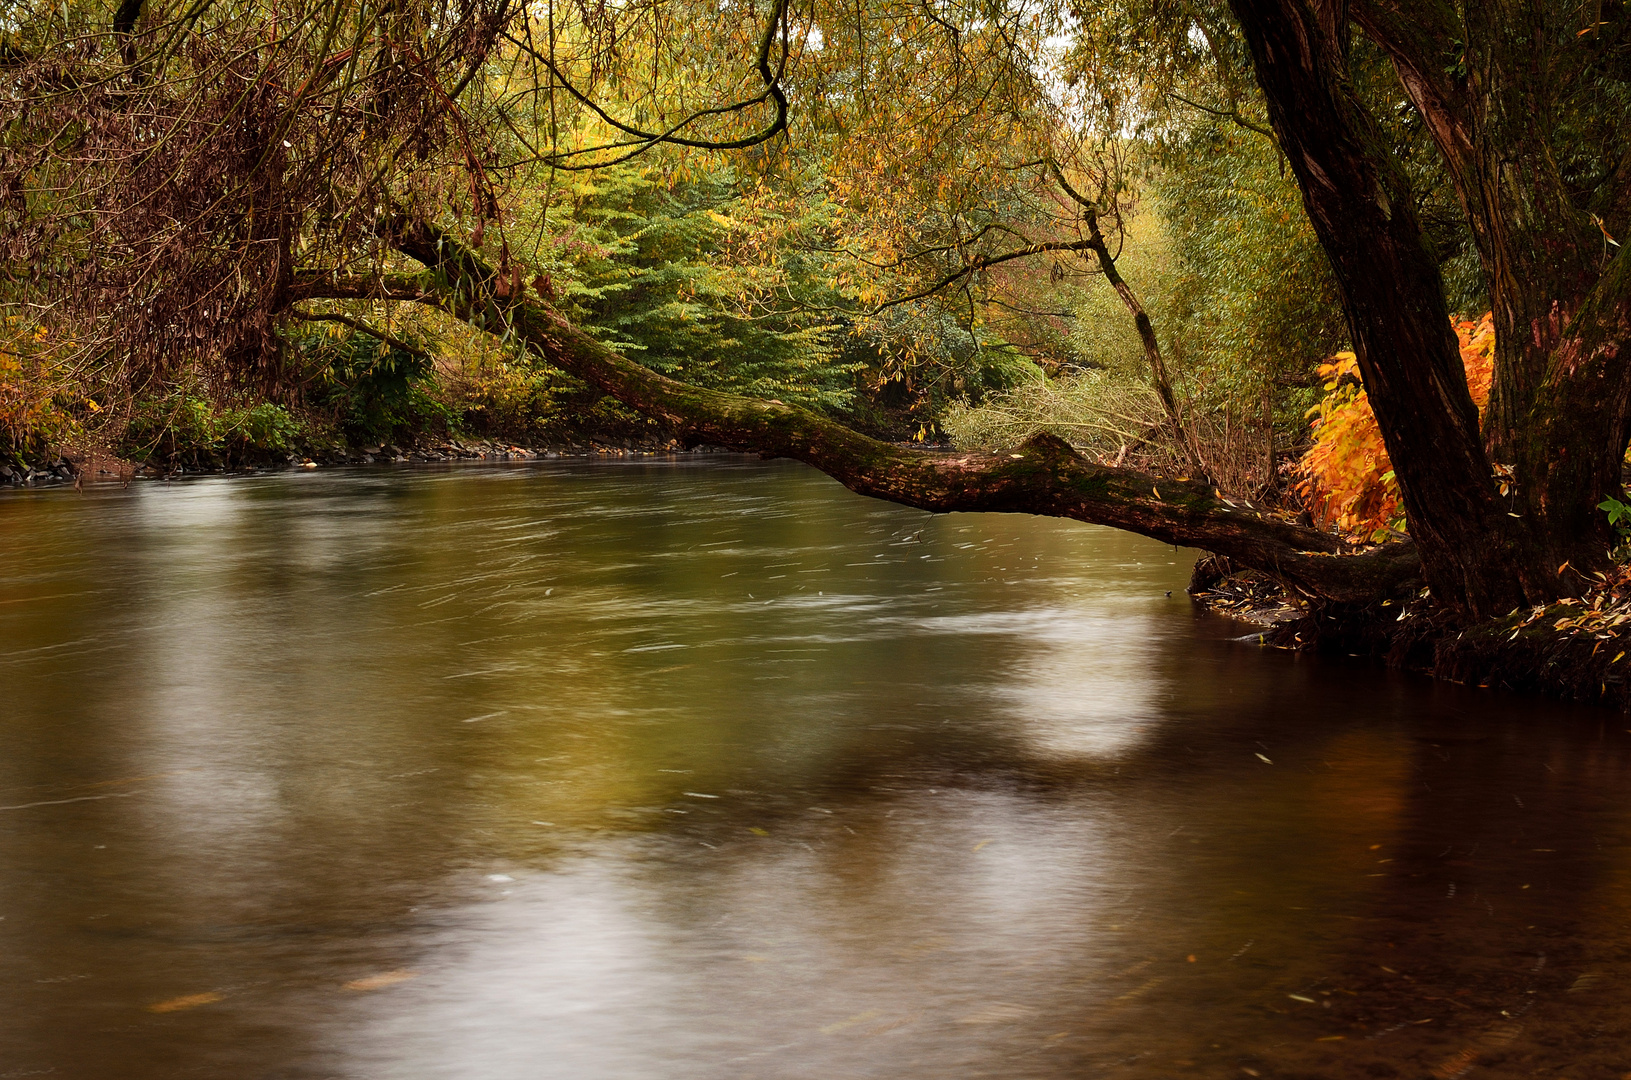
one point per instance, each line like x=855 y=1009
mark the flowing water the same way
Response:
x=711 y=769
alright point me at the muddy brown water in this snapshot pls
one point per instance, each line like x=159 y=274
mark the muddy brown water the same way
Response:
x=712 y=769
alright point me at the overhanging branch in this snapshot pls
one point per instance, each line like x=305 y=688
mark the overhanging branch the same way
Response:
x=1044 y=476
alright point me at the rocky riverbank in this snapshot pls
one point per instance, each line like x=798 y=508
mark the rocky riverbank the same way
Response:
x=77 y=469
x=57 y=471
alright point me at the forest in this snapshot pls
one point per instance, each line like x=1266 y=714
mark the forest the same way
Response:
x=1332 y=290
x=788 y=539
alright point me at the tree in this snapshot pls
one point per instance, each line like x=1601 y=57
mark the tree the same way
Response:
x=354 y=132
x=1521 y=100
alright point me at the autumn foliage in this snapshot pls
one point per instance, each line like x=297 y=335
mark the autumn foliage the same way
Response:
x=1347 y=479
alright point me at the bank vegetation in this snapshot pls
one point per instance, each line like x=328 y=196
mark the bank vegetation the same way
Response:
x=1331 y=290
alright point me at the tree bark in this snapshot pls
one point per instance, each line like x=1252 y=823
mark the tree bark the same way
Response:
x=1474 y=555
x=1560 y=404
x=1044 y=476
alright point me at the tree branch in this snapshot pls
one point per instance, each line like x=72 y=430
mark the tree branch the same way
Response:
x=1226 y=114
x=312 y=285
x=642 y=140
x=358 y=325
x=1141 y=319
x=1044 y=476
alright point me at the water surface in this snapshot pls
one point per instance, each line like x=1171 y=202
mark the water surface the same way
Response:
x=712 y=769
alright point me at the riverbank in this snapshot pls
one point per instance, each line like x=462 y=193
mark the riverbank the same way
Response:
x=89 y=467
x=1578 y=649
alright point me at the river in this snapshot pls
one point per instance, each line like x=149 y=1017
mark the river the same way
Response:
x=708 y=768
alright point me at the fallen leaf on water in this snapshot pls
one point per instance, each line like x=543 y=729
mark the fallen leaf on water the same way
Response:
x=381 y=981
x=1456 y=1064
x=1000 y=1012
x=981 y=844
x=756 y=831
x=856 y=1019
x=190 y=1001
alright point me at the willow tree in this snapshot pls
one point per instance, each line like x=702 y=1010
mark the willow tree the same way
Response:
x=180 y=179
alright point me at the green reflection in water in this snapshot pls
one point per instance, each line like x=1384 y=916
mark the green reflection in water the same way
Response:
x=714 y=770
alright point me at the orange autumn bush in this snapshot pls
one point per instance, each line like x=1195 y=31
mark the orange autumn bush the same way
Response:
x=1347 y=479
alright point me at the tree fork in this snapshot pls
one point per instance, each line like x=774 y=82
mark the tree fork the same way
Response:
x=1560 y=404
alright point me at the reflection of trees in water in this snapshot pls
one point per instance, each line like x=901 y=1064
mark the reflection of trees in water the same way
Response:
x=361 y=696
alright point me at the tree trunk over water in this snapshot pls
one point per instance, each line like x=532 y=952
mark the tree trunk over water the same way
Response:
x=1044 y=476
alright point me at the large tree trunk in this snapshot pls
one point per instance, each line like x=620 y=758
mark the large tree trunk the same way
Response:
x=1476 y=554
x=1560 y=406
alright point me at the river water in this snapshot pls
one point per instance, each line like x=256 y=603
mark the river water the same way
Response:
x=711 y=769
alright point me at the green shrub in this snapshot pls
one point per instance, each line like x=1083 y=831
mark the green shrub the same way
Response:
x=375 y=392
x=186 y=427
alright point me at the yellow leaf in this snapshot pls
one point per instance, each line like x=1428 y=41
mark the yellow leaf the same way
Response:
x=190 y=1001
x=381 y=981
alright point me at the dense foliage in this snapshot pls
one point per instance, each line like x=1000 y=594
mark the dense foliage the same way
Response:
x=1346 y=477
x=992 y=218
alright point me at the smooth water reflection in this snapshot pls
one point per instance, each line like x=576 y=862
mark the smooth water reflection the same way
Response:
x=713 y=769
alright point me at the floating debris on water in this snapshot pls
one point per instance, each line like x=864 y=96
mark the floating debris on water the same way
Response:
x=189 y=1001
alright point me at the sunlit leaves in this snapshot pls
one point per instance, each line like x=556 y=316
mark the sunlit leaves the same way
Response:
x=1347 y=478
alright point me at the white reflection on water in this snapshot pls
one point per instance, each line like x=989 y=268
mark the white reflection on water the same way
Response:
x=797 y=957
x=1080 y=686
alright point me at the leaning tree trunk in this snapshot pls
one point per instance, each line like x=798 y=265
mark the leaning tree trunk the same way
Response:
x=1475 y=555
x=1044 y=476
